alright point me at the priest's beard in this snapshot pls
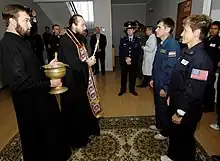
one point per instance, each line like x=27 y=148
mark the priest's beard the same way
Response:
x=21 y=31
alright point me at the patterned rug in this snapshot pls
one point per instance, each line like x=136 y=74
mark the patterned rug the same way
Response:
x=122 y=139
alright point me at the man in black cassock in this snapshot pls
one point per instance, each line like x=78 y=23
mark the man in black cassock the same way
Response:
x=79 y=116
x=38 y=115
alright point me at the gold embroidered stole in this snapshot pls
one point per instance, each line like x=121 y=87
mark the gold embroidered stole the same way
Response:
x=92 y=91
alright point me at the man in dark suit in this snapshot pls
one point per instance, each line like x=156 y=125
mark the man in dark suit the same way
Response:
x=54 y=42
x=46 y=37
x=100 y=53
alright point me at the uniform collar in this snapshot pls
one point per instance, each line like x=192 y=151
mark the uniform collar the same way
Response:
x=192 y=50
x=132 y=36
x=213 y=37
x=163 y=43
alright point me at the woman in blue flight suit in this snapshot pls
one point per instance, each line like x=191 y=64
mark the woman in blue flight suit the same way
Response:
x=192 y=73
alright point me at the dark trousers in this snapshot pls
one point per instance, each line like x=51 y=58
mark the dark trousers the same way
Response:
x=182 y=145
x=218 y=101
x=130 y=70
x=161 y=113
x=140 y=62
x=50 y=56
x=102 y=62
x=146 y=80
x=209 y=99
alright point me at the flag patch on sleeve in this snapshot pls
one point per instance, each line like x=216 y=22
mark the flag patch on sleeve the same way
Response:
x=199 y=74
x=172 y=54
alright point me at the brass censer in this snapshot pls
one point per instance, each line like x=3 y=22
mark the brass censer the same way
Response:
x=56 y=71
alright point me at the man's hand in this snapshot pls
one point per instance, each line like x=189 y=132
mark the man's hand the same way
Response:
x=55 y=83
x=128 y=60
x=176 y=119
x=163 y=93
x=91 y=61
x=152 y=83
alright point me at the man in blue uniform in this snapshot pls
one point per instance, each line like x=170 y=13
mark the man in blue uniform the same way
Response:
x=129 y=53
x=165 y=59
x=212 y=46
x=189 y=80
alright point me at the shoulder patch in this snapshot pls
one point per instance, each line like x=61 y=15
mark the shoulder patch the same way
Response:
x=172 y=54
x=163 y=51
x=199 y=74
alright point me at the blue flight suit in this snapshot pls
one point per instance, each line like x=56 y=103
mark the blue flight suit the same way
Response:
x=165 y=59
x=130 y=49
x=190 y=77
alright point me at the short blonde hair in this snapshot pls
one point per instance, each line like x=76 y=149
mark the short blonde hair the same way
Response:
x=201 y=22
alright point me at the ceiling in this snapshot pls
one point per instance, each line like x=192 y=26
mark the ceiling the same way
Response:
x=129 y=1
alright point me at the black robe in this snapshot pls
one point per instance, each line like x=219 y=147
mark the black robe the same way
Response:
x=37 y=111
x=79 y=121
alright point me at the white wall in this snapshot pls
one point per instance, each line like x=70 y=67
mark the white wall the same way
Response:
x=161 y=9
x=215 y=10
x=102 y=16
x=57 y=11
x=122 y=13
x=42 y=18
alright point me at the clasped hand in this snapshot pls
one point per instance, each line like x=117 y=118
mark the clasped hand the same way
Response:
x=128 y=60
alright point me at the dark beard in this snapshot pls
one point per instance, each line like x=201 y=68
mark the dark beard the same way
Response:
x=21 y=31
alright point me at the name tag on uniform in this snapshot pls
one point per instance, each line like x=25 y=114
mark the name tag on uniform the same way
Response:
x=184 y=62
x=199 y=74
x=172 y=54
x=212 y=45
x=163 y=51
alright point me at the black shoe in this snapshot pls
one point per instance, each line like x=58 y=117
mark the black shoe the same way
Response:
x=134 y=93
x=215 y=158
x=120 y=93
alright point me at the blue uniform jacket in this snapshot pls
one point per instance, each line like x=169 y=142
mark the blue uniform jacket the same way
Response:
x=192 y=73
x=165 y=59
x=129 y=49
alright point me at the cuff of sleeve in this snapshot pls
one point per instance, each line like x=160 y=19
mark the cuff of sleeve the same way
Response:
x=181 y=112
x=34 y=19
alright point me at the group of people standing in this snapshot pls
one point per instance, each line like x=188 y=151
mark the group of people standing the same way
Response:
x=47 y=132
x=180 y=78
